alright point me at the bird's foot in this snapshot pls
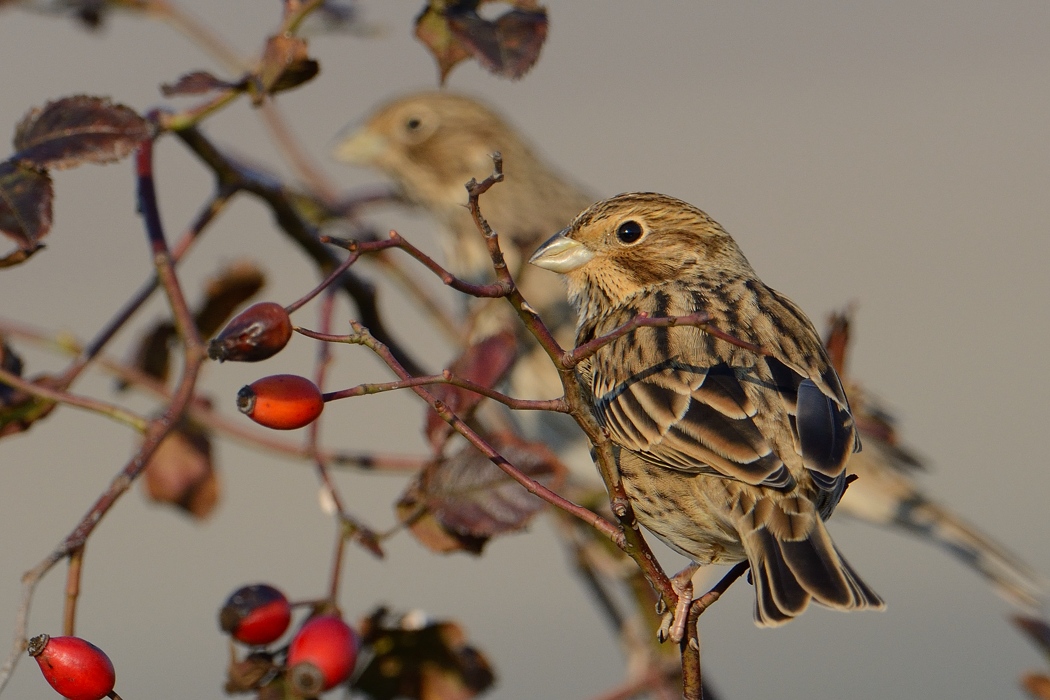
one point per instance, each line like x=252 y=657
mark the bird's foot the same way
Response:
x=673 y=623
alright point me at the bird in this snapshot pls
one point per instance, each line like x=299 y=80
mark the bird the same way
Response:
x=888 y=493
x=727 y=452
x=431 y=144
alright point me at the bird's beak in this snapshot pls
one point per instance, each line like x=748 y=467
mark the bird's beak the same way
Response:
x=561 y=253
x=362 y=147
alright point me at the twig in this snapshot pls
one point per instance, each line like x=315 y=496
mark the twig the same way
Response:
x=446 y=377
x=109 y=410
x=158 y=428
x=692 y=676
x=69 y=615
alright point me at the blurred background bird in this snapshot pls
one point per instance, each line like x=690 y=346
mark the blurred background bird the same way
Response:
x=430 y=144
x=726 y=453
x=887 y=492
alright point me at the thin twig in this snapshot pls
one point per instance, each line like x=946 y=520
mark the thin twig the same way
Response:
x=69 y=615
x=117 y=413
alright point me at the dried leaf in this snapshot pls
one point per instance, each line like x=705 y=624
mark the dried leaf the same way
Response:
x=836 y=339
x=76 y=130
x=235 y=284
x=486 y=363
x=433 y=30
x=1037 y=685
x=419 y=658
x=11 y=362
x=25 y=205
x=152 y=353
x=196 y=83
x=181 y=472
x=19 y=411
x=459 y=503
x=1037 y=630
x=285 y=64
x=509 y=46
x=250 y=673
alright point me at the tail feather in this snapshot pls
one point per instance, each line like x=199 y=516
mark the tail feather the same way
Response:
x=789 y=573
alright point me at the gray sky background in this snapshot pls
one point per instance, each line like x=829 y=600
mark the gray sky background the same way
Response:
x=893 y=154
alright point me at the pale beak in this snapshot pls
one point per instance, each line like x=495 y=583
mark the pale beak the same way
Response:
x=561 y=253
x=362 y=147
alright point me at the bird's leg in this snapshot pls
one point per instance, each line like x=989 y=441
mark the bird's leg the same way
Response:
x=672 y=625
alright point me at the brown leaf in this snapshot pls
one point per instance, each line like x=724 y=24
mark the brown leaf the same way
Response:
x=250 y=673
x=76 y=130
x=19 y=411
x=25 y=205
x=12 y=363
x=152 y=354
x=433 y=30
x=1037 y=685
x=508 y=46
x=420 y=658
x=459 y=503
x=836 y=339
x=285 y=64
x=235 y=284
x=181 y=472
x=1037 y=630
x=196 y=83
x=485 y=363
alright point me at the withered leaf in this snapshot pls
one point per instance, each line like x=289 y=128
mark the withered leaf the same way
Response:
x=181 y=472
x=1037 y=630
x=235 y=284
x=10 y=362
x=250 y=673
x=486 y=363
x=420 y=658
x=509 y=46
x=77 y=130
x=433 y=30
x=285 y=64
x=1037 y=685
x=19 y=410
x=197 y=83
x=460 y=502
x=152 y=354
x=25 y=204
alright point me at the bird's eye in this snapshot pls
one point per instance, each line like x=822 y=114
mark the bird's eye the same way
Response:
x=629 y=232
x=413 y=123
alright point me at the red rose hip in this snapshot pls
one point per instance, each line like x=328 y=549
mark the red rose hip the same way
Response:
x=256 y=614
x=281 y=401
x=257 y=333
x=321 y=656
x=76 y=668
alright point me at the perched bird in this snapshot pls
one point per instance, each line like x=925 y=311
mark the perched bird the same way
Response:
x=726 y=454
x=431 y=144
x=888 y=493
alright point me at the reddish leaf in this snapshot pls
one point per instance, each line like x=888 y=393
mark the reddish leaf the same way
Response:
x=509 y=46
x=181 y=472
x=76 y=130
x=459 y=503
x=415 y=657
x=485 y=363
x=25 y=204
x=285 y=64
x=196 y=83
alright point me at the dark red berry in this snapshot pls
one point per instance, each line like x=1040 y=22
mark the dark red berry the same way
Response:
x=258 y=332
x=321 y=656
x=76 y=668
x=281 y=401
x=256 y=614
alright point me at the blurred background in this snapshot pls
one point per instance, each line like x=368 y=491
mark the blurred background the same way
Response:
x=894 y=155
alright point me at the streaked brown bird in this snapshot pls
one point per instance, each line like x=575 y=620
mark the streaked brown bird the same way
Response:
x=725 y=453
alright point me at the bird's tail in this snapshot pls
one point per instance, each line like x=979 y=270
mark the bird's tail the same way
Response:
x=1012 y=578
x=790 y=568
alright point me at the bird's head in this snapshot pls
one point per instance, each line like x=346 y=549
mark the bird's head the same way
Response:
x=432 y=143
x=624 y=245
